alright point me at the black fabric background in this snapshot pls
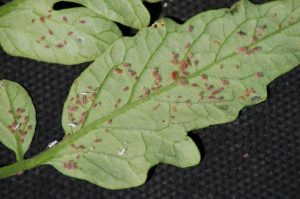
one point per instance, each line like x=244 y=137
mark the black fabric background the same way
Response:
x=268 y=132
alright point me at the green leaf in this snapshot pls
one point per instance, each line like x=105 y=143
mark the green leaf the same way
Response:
x=131 y=13
x=131 y=109
x=17 y=118
x=69 y=36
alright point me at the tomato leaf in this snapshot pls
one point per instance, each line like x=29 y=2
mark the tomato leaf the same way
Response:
x=131 y=13
x=68 y=36
x=132 y=108
x=17 y=117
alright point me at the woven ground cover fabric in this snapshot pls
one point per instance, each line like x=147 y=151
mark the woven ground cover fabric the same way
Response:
x=256 y=156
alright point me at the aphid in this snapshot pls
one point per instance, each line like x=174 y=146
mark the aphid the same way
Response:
x=187 y=46
x=256 y=98
x=82 y=21
x=259 y=74
x=254 y=39
x=174 y=75
x=242 y=33
x=20 y=110
x=70 y=33
x=51 y=144
x=209 y=87
x=225 y=82
x=109 y=121
x=158 y=78
x=190 y=55
x=118 y=71
x=126 y=65
x=175 y=57
x=119 y=101
x=65 y=19
x=188 y=103
x=50 y=32
x=43 y=38
x=174 y=108
x=146 y=92
x=32 y=20
x=84 y=99
x=73 y=108
x=155 y=72
x=191 y=28
x=204 y=76
x=59 y=46
x=182 y=81
x=42 y=19
x=98 y=140
x=70 y=165
x=183 y=65
x=194 y=85
x=156 y=87
x=126 y=88
x=256 y=49
x=217 y=42
x=26 y=119
x=243 y=50
x=156 y=107
x=185 y=73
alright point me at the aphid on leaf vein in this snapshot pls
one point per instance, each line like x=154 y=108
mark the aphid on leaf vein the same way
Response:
x=147 y=92
x=155 y=72
x=242 y=33
x=204 y=76
x=182 y=81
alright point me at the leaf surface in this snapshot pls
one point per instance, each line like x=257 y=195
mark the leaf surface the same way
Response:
x=68 y=36
x=131 y=13
x=17 y=117
x=132 y=108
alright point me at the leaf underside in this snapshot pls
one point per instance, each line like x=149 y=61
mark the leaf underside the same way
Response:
x=17 y=117
x=32 y=29
x=131 y=13
x=132 y=108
